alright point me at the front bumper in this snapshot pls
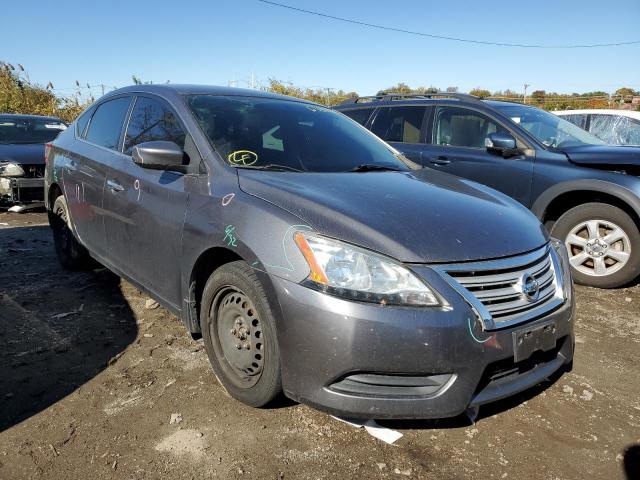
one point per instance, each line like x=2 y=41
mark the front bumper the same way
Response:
x=21 y=190
x=369 y=361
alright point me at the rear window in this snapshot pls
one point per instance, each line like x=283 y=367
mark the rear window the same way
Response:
x=15 y=130
x=399 y=124
x=106 y=123
x=361 y=115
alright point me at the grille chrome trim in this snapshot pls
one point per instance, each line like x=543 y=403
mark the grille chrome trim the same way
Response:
x=494 y=288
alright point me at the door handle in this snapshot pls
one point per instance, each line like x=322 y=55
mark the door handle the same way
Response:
x=114 y=186
x=439 y=160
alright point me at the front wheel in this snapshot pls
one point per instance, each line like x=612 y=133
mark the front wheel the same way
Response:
x=603 y=244
x=239 y=333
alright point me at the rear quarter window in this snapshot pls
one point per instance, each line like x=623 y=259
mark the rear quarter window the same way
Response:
x=360 y=115
x=81 y=123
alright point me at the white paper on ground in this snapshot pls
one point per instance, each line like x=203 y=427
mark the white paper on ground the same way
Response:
x=354 y=422
x=381 y=433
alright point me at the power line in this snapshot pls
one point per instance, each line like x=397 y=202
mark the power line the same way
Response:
x=442 y=37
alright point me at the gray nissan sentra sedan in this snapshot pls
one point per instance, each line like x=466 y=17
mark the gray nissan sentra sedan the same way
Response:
x=311 y=256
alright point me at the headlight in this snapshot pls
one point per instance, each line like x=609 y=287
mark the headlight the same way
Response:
x=563 y=259
x=8 y=169
x=351 y=272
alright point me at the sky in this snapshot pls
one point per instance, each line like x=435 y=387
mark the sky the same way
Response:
x=221 y=41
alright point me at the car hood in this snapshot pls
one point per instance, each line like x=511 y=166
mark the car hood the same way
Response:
x=25 y=154
x=603 y=155
x=416 y=217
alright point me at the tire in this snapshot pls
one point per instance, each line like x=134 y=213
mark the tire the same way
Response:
x=239 y=333
x=603 y=243
x=71 y=254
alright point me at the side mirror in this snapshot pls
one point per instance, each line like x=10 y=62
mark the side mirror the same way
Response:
x=503 y=144
x=158 y=155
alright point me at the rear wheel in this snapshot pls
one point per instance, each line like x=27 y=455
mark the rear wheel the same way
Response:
x=71 y=254
x=603 y=243
x=239 y=334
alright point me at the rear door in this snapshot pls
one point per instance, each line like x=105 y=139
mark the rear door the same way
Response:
x=145 y=207
x=402 y=126
x=457 y=146
x=86 y=168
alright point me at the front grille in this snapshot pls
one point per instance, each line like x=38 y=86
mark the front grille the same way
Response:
x=497 y=288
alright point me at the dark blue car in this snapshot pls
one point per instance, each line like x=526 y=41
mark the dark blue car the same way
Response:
x=586 y=193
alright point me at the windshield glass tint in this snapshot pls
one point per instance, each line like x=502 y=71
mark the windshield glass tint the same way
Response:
x=549 y=129
x=28 y=130
x=254 y=132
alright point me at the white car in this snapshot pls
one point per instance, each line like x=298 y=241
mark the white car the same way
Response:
x=616 y=127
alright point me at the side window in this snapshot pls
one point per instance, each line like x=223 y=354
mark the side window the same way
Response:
x=460 y=127
x=604 y=127
x=615 y=129
x=628 y=131
x=151 y=120
x=579 y=119
x=360 y=115
x=81 y=123
x=106 y=123
x=399 y=124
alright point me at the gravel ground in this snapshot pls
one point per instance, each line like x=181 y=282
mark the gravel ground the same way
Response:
x=95 y=384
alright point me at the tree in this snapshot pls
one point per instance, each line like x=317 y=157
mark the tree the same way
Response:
x=401 y=87
x=480 y=92
x=626 y=91
x=327 y=96
x=538 y=96
x=137 y=81
x=19 y=95
x=452 y=89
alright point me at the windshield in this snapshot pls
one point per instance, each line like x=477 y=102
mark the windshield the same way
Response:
x=253 y=132
x=29 y=130
x=549 y=129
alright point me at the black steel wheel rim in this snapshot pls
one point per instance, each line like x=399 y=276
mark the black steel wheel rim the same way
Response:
x=236 y=334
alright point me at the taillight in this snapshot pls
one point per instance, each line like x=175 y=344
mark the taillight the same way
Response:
x=47 y=149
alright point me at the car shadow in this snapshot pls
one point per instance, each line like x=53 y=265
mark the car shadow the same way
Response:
x=58 y=329
x=631 y=462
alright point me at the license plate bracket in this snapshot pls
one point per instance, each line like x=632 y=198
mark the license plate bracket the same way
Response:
x=526 y=341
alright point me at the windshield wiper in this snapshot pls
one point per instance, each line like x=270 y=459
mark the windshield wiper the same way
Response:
x=271 y=166
x=372 y=167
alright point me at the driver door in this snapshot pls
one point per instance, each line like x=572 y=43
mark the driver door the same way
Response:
x=457 y=146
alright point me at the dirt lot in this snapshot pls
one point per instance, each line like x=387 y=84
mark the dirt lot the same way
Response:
x=90 y=379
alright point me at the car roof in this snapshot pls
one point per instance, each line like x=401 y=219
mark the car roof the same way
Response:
x=182 y=89
x=21 y=116
x=601 y=111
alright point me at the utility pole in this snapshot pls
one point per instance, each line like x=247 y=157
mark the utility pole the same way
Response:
x=102 y=87
x=524 y=98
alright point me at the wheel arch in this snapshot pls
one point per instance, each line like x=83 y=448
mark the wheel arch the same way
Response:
x=560 y=198
x=206 y=263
